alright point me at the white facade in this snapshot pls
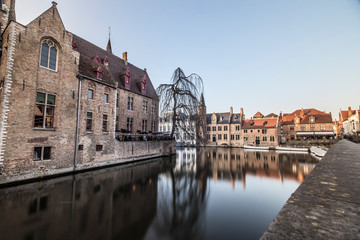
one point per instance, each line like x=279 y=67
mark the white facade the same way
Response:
x=352 y=125
x=185 y=132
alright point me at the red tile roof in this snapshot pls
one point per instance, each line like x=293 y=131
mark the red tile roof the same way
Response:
x=258 y=115
x=259 y=123
x=288 y=118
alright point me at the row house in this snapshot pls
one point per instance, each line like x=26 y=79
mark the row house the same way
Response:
x=63 y=99
x=348 y=124
x=232 y=129
x=307 y=124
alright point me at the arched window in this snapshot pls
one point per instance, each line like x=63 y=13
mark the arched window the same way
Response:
x=48 y=54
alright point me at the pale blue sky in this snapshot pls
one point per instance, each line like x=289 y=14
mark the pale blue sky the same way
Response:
x=262 y=55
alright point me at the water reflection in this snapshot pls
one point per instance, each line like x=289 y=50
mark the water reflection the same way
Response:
x=113 y=203
x=205 y=193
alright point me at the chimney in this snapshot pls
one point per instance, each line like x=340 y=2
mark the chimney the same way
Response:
x=125 y=57
x=231 y=110
x=302 y=112
x=349 y=111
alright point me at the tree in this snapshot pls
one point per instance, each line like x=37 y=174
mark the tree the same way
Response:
x=180 y=98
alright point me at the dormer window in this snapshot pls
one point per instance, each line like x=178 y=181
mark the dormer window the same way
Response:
x=99 y=73
x=97 y=59
x=143 y=85
x=127 y=78
x=48 y=57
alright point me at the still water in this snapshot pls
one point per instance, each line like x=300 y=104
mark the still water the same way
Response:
x=206 y=193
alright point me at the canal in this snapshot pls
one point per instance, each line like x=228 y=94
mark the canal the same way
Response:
x=205 y=193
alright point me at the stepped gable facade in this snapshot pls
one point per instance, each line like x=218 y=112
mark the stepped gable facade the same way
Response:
x=232 y=129
x=307 y=124
x=63 y=100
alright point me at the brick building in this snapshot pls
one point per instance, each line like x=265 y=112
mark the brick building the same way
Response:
x=62 y=99
x=307 y=124
x=232 y=129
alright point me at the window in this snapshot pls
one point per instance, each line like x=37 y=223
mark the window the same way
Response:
x=322 y=127
x=291 y=128
x=99 y=148
x=225 y=128
x=225 y=136
x=144 y=125
x=208 y=129
x=208 y=137
x=48 y=54
x=237 y=137
x=44 y=111
x=272 y=139
x=153 y=126
x=219 y=128
x=214 y=129
x=144 y=106
x=90 y=94
x=81 y=147
x=130 y=103
x=129 y=124
x=245 y=130
x=105 y=123
x=232 y=137
x=303 y=128
x=106 y=98
x=42 y=153
x=312 y=127
x=264 y=139
x=264 y=131
x=258 y=130
x=89 y=121
x=245 y=138
x=153 y=108
x=117 y=100
x=257 y=138
x=237 y=128
x=219 y=136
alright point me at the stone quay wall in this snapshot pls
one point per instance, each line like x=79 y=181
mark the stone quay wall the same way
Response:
x=123 y=152
x=327 y=204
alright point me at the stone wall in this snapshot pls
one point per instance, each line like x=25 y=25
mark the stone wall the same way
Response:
x=117 y=153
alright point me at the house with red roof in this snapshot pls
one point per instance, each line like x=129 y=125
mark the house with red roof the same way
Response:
x=307 y=124
x=348 y=124
x=232 y=129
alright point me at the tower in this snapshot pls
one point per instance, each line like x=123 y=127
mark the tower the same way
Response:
x=202 y=124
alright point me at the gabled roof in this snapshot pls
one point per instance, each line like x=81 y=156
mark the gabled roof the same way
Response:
x=271 y=115
x=116 y=67
x=224 y=118
x=258 y=115
x=319 y=118
x=259 y=123
x=288 y=118
x=89 y=67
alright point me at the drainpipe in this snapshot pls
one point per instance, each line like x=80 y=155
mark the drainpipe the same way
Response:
x=77 y=120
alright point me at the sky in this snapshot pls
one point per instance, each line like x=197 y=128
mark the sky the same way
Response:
x=259 y=55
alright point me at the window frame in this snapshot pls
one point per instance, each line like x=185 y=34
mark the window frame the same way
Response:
x=105 y=123
x=48 y=56
x=130 y=103
x=45 y=116
x=42 y=152
x=92 y=94
x=89 y=122
x=106 y=98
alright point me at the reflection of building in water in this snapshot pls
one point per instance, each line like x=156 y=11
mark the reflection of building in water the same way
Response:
x=234 y=164
x=186 y=159
x=106 y=204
